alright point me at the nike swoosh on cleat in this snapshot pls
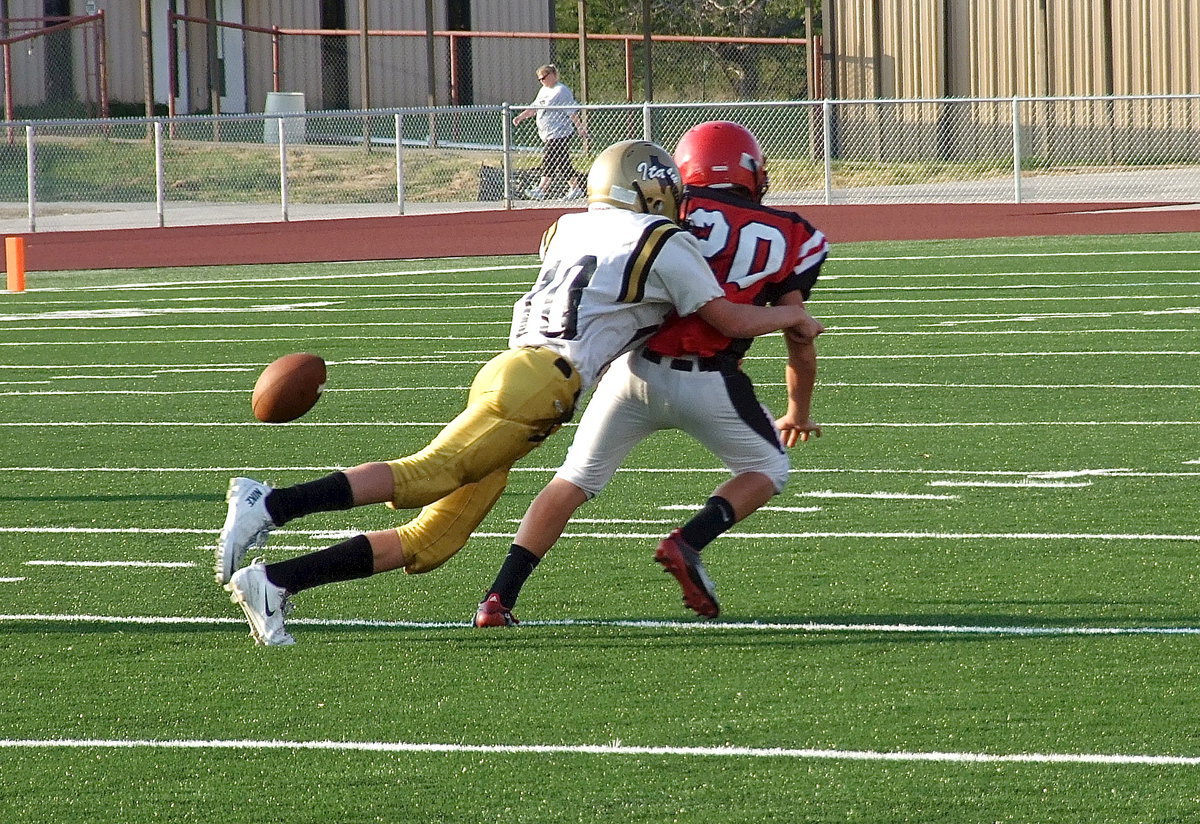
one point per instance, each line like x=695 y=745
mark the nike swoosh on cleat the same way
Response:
x=267 y=605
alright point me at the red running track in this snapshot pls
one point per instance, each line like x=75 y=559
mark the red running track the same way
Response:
x=518 y=232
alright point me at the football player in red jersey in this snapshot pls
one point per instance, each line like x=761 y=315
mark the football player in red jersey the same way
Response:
x=688 y=375
x=609 y=278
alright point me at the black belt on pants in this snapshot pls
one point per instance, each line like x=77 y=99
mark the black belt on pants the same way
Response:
x=713 y=364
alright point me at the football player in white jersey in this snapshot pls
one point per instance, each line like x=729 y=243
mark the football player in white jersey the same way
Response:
x=688 y=376
x=609 y=277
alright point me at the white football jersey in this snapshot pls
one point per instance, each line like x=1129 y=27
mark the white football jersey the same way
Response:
x=609 y=278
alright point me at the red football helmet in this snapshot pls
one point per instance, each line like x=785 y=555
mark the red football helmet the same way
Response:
x=721 y=154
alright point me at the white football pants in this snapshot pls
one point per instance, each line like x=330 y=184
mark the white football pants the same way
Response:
x=637 y=397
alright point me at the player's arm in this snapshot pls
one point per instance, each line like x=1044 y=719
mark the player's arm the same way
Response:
x=800 y=376
x=742 y=320
x=689 y=280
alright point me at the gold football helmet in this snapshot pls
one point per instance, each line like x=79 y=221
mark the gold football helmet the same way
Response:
x=636 y=175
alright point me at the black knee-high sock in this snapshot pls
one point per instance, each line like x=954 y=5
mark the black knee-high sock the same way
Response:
x=517 y=567
x=322 y=495
x=716 y=517
x=346 y=561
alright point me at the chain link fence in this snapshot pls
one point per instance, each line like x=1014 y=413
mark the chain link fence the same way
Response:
x=490 y=68
x=202 y=169
x=688 y=69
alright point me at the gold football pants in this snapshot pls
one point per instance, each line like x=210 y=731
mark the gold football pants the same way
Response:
x=517 y=400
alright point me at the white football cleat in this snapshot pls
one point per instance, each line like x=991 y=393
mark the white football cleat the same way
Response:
x=265 y=604
x=247 y=525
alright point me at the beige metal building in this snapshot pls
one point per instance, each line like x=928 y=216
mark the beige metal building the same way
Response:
x=1002 y=48
x=327 y=69
x=1013 y=61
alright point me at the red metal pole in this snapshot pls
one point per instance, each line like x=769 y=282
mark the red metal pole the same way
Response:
x=8 y=92
x=90 y=78
x=102 y=56
x=453 y=71
x=628 y=70
x=172 y=72
x=8 y=86
x=276 y=69
x=820 y=64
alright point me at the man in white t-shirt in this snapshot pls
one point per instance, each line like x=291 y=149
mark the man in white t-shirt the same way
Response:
x=557 y=123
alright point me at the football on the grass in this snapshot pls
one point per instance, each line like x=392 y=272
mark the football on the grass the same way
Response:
x=288 y=387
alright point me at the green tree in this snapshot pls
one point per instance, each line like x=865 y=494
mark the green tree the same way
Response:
x=741 y=63
x=714 y=18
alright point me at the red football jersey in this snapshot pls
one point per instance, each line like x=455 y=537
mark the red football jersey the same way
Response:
x=757 y=253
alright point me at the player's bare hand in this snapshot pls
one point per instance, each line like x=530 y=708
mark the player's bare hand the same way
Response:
x=793 y=432
x=806 y=331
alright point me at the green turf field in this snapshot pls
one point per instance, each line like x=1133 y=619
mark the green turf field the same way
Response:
x=977 y=601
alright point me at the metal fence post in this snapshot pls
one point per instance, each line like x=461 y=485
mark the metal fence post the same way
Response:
x=647 y=122
x=1016 y=148
x=160 y=194
x=30 y=179
x=506 y=153
x=283 y=175
x=399 y=125
x=827 y=137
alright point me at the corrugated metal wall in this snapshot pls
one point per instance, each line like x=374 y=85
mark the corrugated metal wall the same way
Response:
x=28 y=57
x=936 y=49
x=499 y=70
x=504 y=71
x=879 y=48
x=1001 y=48
x=124 y=64
x=299 y=57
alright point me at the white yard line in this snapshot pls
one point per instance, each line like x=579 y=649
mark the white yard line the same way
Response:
x=928 y=385
x=1025 y=484
x=243 y=391
x=974 y=317
x=998 y=473
x=308 y=339
x=691 y=507
x=1094 y=253
x=498 y=290
x=440 y=424
x=241 y=326
x=798 y=627
x=529 y=267
x=463 y=388
x=901 y=536
x=132 y=564
x=418 y=361
x=277 y=279
x=896 y=496
x=450 y=292
x=328 y=307
x=615 y=748
x=829 y=331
